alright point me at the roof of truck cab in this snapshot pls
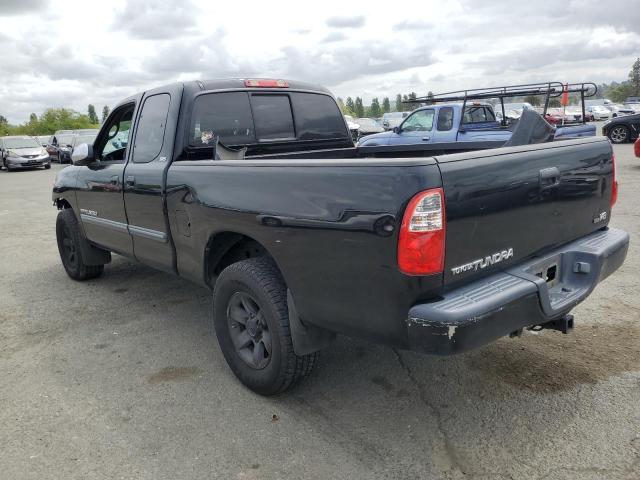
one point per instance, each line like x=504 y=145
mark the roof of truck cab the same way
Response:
x=239 y=83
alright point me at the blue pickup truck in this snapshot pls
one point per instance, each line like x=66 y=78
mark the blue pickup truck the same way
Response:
x=441 y=124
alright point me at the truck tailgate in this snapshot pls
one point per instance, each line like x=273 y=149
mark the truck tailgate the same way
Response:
x=510 y=204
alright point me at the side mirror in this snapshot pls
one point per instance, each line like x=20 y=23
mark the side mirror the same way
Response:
x=83 y=155
x=397 y=129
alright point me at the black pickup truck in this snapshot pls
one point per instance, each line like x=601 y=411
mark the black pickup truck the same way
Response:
x=255 y=189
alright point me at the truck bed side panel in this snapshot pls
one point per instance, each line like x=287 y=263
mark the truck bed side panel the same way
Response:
x=322 y=222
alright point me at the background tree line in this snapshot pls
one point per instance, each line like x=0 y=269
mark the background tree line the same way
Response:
x=65 y=119
x=54 y=119
x=617 y=92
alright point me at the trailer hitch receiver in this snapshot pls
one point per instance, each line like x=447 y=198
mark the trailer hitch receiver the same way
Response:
x=563 y=324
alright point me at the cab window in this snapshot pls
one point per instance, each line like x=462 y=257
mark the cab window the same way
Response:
x=419 y=121
x=226 y=116
x=113 y=146
x=445 y=119
x=151 y=127
x=478 y=114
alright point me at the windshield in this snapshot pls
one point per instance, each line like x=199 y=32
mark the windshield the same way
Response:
x=21 y=143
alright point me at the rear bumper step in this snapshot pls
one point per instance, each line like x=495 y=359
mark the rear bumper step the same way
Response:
x=536 y=292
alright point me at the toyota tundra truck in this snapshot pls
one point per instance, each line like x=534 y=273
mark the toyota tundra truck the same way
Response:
x=253 y=188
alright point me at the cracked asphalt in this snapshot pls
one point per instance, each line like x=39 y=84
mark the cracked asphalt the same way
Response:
x=121 y=378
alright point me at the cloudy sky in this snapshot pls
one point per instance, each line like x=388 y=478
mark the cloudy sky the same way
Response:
x=68 y=53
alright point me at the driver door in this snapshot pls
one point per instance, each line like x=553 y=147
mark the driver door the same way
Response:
x=100 y=193
x=417 y=128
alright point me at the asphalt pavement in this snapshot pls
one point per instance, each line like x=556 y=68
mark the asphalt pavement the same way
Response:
x=121 y=378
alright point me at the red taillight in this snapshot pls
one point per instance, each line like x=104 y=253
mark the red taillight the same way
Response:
x=636 y=147
x=266 y=83
x=422 y=234
x=614 y=183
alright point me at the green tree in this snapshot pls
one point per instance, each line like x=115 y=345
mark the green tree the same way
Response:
x=405 y=106
x=33 y=118
x=429 y=96
x=359 y=108
x=399 y=106
x=619 y=92
x=375 y=110
x=105 y=113
x=341 y=106
x=91 y=113
x=386 y=105
x=4 y=125
x=351 y=107
x=533 y=100
x=634 y=78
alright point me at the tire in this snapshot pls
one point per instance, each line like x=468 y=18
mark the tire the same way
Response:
x=618 y=134
x=69 y=240
x=260 y=350
x=47 y=167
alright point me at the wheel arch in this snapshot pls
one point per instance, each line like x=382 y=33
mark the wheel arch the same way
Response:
x=228 y=247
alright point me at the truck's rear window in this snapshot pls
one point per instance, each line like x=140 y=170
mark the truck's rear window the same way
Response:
x=246 y=118
x=225 y=115
x=317 y=117
x=272 y=117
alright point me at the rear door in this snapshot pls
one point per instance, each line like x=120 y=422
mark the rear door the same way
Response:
x=144 y=187
x=522 y=201
x=444 y=131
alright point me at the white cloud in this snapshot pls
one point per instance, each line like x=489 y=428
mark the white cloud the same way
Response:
x=73 y=52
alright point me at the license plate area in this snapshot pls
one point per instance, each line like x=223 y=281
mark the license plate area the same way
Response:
x=549 y=271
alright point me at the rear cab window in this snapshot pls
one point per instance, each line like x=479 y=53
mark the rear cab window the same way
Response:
x=478 y=114
x=445 y=119
x=253 y=119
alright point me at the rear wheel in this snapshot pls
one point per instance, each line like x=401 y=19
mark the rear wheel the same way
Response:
x=69 y=240
x=251 y=319
x=619 y=134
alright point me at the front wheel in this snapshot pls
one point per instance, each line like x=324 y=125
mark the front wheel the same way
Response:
x=251 y=320
x=47 y=166
x=619 y=134
x=69 y=245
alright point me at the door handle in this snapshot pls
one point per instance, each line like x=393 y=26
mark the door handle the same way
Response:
x=426 y=139
x=130 y=181
x=114 y=180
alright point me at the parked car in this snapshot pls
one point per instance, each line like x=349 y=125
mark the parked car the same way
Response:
x=44 y=140
x=18 y=152
x=618 y=109
x=353 y=127
x=441 y=123
x=597 y=101
x=554 y=116
x=599 y=112
x=391 y=120
x=622 y=129
x=511 y=115
x=632 y=100
x=300 y=239
x=64 y=145
x=368 y=126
